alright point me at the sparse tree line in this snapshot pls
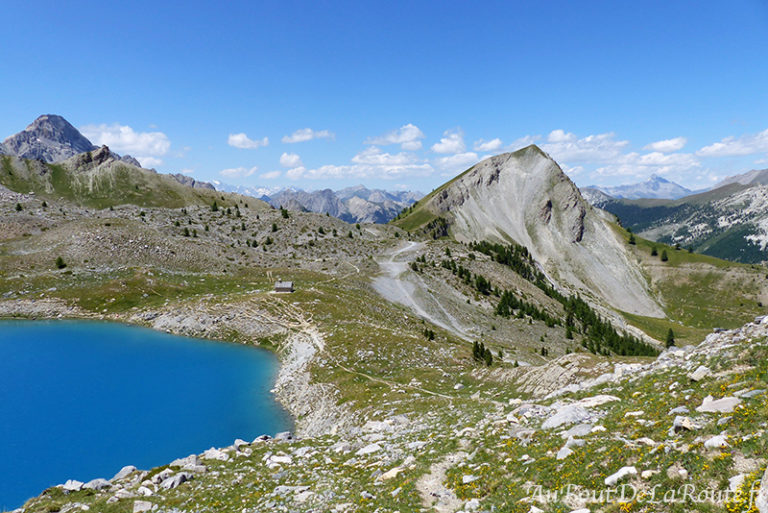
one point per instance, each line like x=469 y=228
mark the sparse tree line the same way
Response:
x=600 y=336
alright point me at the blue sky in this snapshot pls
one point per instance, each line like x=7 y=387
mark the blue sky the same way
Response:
x=398 y=94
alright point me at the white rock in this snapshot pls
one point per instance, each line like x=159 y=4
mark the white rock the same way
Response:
x=598 y=400
x=142 y=506
x=717 y=442
x=735 y=482
x=97 y=484
x=564 y=453
x=472 y=505
x=621 y=474
x=700 y=373
x=570 y=414
x=469 y=478
x=391 y=473
x=647 y=474
x=215 y=454
x=279 y=460
x=458 y=386
x=682 y=423
x=124 y=472
x=192 y=459
x=72 y=485
x=174 y=481
x=724 y=405
x=368 y=449
x=240 y=443
x=582 y=510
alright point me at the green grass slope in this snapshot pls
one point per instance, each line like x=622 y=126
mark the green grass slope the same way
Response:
x=101 y=184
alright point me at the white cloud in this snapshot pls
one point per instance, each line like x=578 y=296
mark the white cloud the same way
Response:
x=641 y=166
x=731 y=146
x=243 y=142
x=238 y=172
x=187 y=171
x=149 y=162
x=451 y=142
x=667 y=145
x=492 y=145
x=458 y=162
x=407 y=136
x=146 y=147
x=307 y=134
x=567 y=147
x=369 y=163
x=270 y=175
x=290 y=160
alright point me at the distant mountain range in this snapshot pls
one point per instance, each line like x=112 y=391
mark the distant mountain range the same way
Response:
x=730 y=221
x=356 y=204
x=655 y=187
x=52 y=139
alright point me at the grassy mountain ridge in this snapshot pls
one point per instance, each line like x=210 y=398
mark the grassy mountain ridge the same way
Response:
x=96 y=179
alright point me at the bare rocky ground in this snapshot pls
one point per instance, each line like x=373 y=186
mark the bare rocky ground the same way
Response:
x=388 y=419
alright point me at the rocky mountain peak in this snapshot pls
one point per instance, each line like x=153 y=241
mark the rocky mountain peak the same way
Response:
x=49 y=138
x=526 y=197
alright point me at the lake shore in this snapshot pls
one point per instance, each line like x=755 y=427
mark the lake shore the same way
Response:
x=312 y=405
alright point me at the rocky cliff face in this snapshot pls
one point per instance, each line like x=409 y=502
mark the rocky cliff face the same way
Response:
x=525 y=197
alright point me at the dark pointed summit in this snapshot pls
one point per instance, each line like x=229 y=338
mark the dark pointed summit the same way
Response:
x=49 y=138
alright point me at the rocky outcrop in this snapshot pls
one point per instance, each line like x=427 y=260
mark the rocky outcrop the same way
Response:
x=191 y=182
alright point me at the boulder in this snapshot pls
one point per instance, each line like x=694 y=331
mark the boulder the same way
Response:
x=368 y=449
x=192 y=459
x=724 y=405
x=717 y=442
x=284 y=436
x=391 y=474
x=566 y=415
x=623 y=472
x=215 y=454
x=124 y=472
x=72 y=485
x=97 y=484
x=142 y=506
x=700 y=373
x=469 y=478
x=682 y=424
x=174 y=481
x=598 y=400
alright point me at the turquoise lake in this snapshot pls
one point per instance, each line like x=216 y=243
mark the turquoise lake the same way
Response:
x=79 y=400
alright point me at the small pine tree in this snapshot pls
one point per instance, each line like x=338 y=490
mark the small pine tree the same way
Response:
x=357 y=225
x=664 y=256
x=284 y=213
x=60 y=264
x=632 y=240
x=215 y=207
x=186 y=232
x=274 y=227
x=690 y=249
x=670 y=338
x=488 y=357
x=45 y=205
x=18 y=207
x=654 y=252
x=569 y=333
